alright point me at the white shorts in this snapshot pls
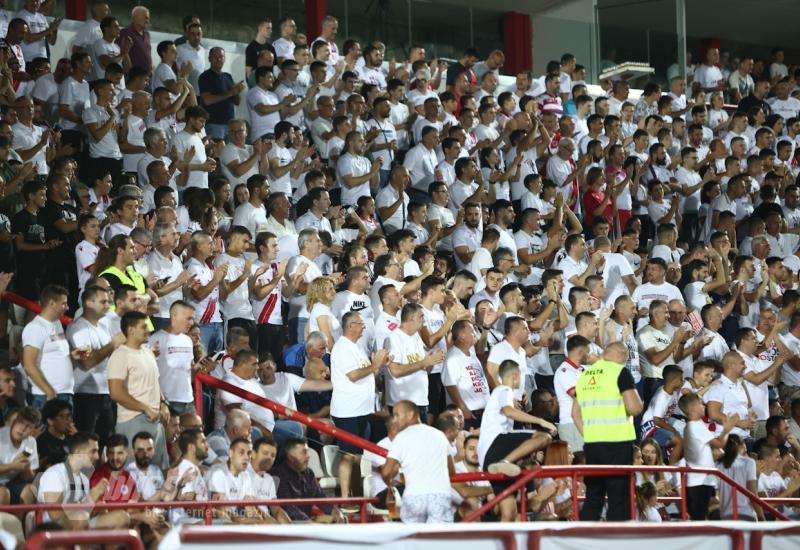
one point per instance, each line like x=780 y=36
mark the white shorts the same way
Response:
x=433 y=508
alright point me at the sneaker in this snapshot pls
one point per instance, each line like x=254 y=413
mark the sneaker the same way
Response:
x=504 y=467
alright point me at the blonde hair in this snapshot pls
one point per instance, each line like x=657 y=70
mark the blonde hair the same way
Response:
x=318 y=292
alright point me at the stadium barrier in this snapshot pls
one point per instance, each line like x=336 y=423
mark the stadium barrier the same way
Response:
x=48 y=539
x=206 y=505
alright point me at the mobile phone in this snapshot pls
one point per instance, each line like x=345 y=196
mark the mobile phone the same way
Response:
x=26 y=453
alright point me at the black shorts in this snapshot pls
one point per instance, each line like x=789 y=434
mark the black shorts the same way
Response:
x=356 y=425
x=436 y=394
x=502 y=445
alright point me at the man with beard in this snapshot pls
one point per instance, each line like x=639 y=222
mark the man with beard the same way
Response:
x=64 y=483
x=474 y=493
x=121 y=486
x=194 y=450
x=263 y=485
x=150 y=484
x=231 y=481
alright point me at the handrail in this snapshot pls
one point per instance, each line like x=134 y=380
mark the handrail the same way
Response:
x=206 y=504
x=47 y=539
x=18 y=300
x=574 y=472
x=347 y=437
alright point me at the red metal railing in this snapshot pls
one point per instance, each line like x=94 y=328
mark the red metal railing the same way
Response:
x=18 y=300
x=322 y=427
x=206 y=505
x=574 y=472
x=47 y=539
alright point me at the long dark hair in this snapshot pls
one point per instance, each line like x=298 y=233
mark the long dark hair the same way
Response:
x=732 y=447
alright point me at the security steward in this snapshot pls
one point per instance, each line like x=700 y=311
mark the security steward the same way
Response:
x=605 y=404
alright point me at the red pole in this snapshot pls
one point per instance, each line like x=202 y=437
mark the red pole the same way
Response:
x=523 y=501
x=684 y=512
x=292 y=414
x=510 y=490
x=364 y=511
x=208 y=514
x=632 y=490
x=575 y=511
x=29 y=305
x=198 y=397
x=735 y=502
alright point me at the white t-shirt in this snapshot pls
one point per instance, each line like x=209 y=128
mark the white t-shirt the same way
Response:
x=174 y=365
x=254 y=218
x=283 y=389
x=237 y=303
x=53 y=358
x=353 y=165
x=385 y=324
x=147 y=483
x=98 y=49
x=662 y=405
x=493 y=421
x=135 y=136
x=320 y=310
x=231 y=153
x=197 y=485
x=648 y=337
x=466 y=373
x=434 y=321
x=741 y=471
x=219 y=479
x=759 y=395
x=733 y=398
x=28 y=137
x=503 y=351
x=85 y=255
x=258 y=413
x=350 y=399
x=8 y=452
x=108 y=146
x=350 y=301
x=162 y=75
x=571 y=268
x=80 y=334
x=207 y=310
x=262 y=124
x=165 y=268
x=56 y=480
x=423 y=453
x=77 y=97
x=566 y=377
x=281 y=184
x=615 y=268
x=406 y=349
x=184 y=141
x=697 y=452
x=268 y=309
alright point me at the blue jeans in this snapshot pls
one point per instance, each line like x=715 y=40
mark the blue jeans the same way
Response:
x=38 y=401
x=297 y=327
x=217 y=131
x=651 y=386
x=285 y=429
x=211 y=337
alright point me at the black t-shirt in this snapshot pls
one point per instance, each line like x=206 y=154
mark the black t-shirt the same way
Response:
x=751 y=101
x=252 y=51
x=28 y=225
x=625 y=381
x=48 y=216
x=51 y=450
x=209 y=81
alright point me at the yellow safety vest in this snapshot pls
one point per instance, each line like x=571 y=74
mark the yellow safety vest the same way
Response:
x=132 y=278
x=605 y=419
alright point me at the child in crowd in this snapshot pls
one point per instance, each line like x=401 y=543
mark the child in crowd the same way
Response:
x=655 y=421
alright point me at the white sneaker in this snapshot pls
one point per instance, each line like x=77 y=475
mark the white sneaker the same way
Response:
x=504 y=467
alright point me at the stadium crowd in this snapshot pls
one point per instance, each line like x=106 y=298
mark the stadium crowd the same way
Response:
x=401 y=249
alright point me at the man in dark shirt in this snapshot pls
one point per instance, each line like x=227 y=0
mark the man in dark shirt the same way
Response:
x=260 y=42
x=464 y=65
x=140 y=52
x=219 y=94
x=60 y=222
x=30 y=243
x=53 y=444
x=297 y=481
x=756 y=98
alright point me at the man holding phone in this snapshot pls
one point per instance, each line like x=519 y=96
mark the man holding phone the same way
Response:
x=18 y=457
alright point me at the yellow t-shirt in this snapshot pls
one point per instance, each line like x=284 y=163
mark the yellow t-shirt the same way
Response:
x=139 y=370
